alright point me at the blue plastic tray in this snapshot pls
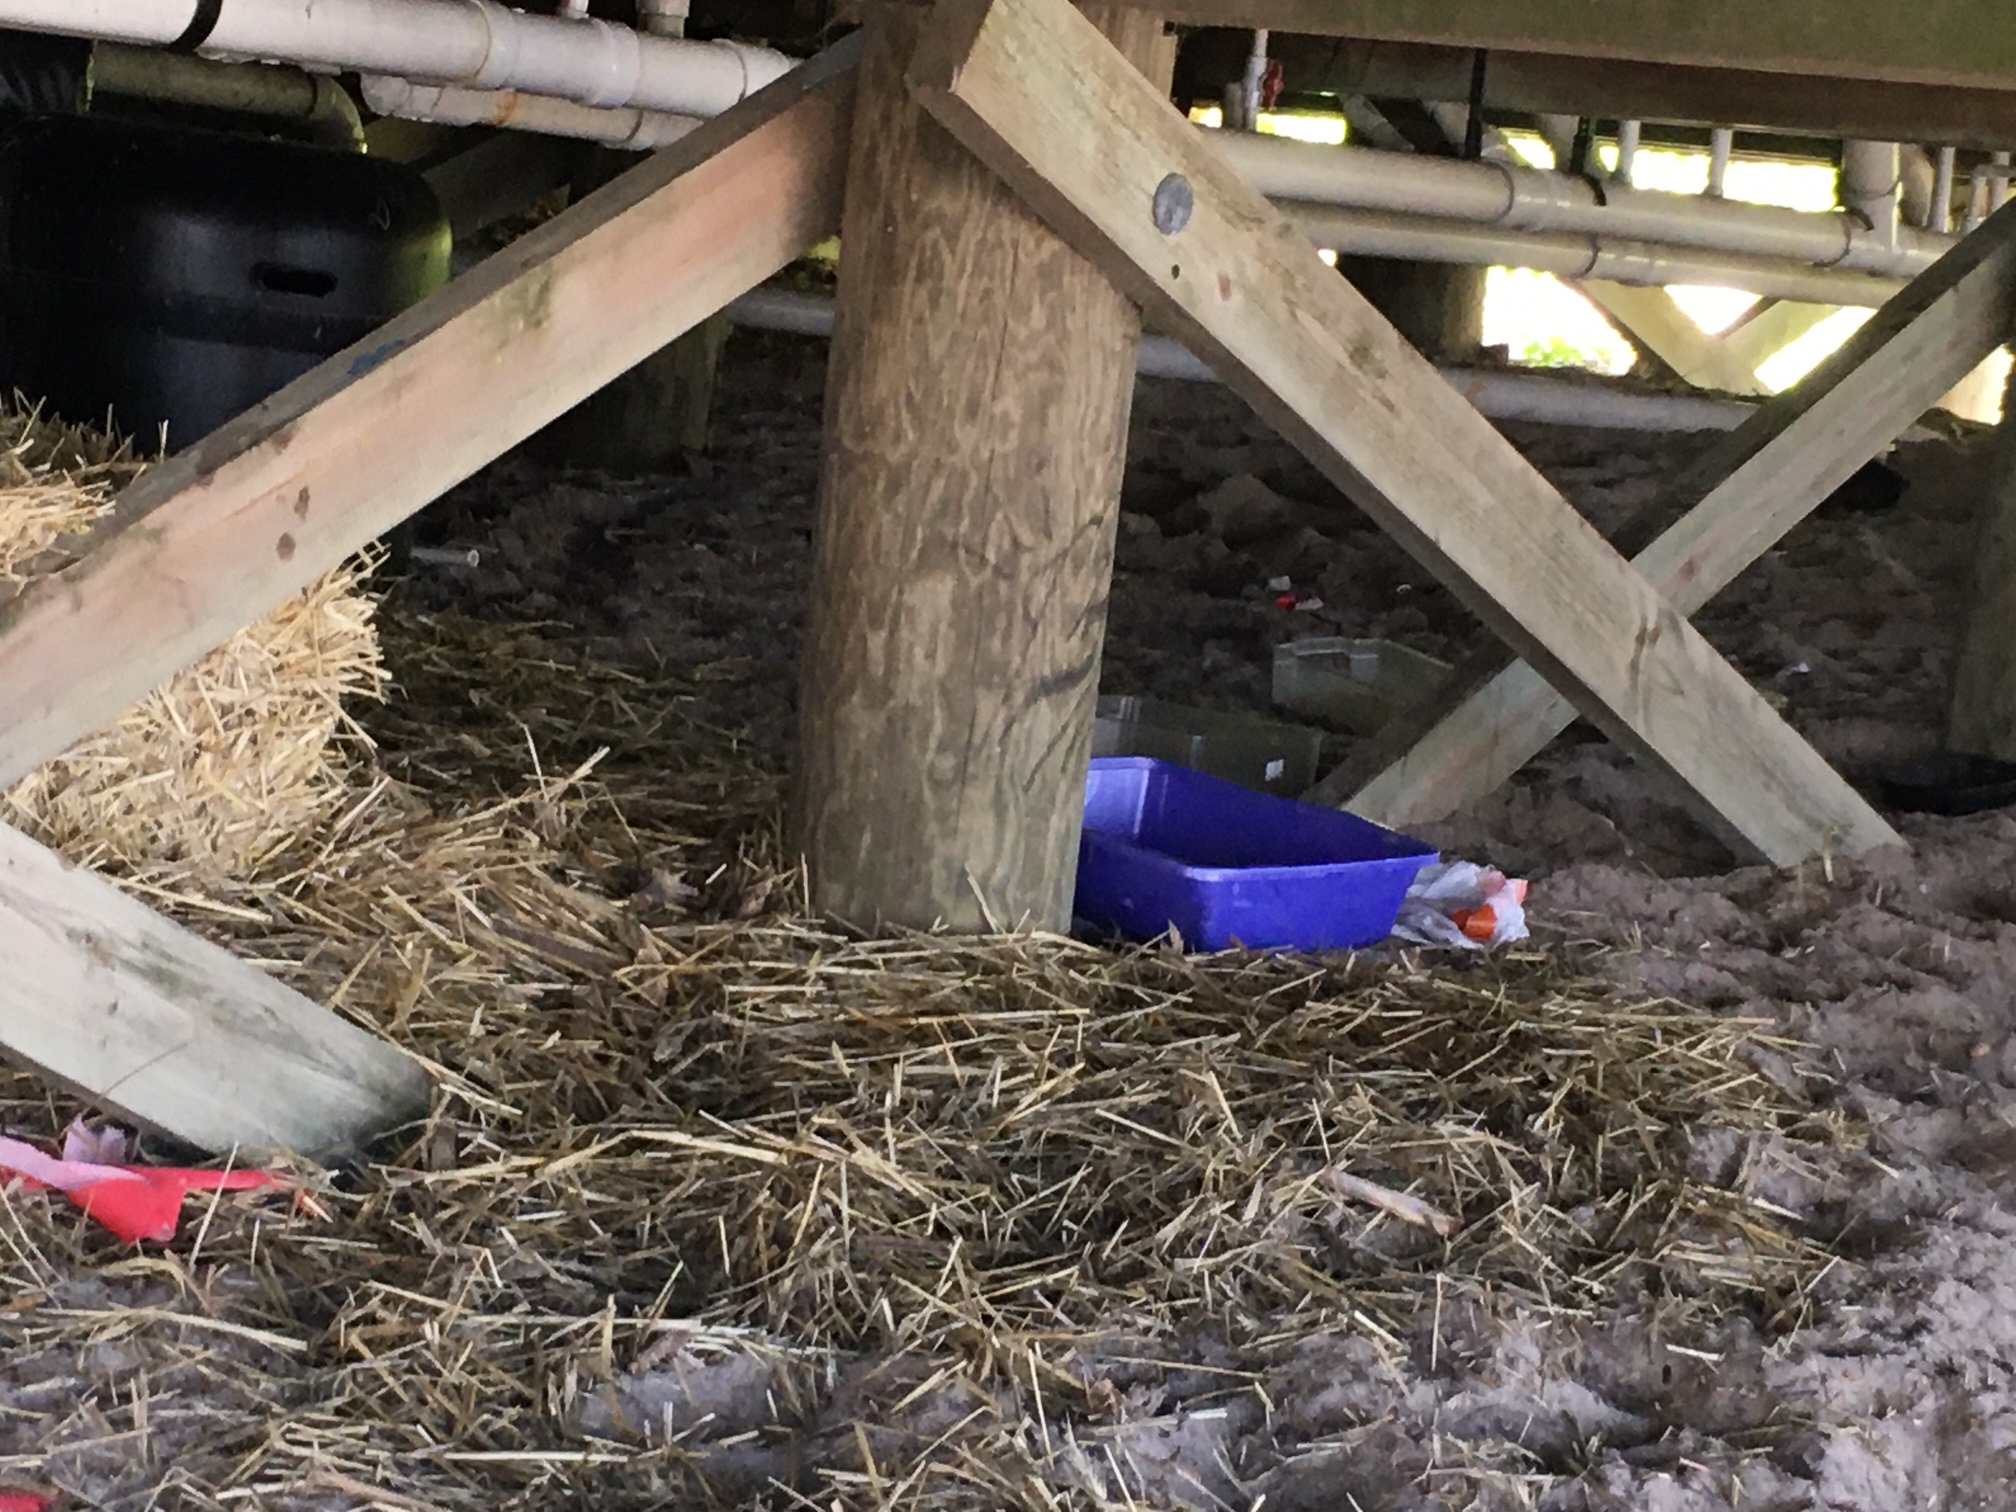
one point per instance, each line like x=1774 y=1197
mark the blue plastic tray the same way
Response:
x=1164 y=845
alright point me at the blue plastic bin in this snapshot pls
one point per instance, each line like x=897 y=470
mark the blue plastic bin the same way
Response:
x=1165 y=845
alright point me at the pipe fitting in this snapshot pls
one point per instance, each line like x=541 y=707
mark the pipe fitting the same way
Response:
x=454 y=105
x=1872 y=188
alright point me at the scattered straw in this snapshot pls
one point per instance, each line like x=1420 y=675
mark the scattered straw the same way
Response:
x=229 y=762
x=726 y=1207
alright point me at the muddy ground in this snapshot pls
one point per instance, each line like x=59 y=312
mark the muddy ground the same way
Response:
x=1899 y=1390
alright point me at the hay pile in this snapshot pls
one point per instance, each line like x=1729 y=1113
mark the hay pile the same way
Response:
x=232 y=759
x=722 y=1207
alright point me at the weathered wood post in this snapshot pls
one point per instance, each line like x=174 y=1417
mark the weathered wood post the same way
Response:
x=1982 y=721
x=976 y=426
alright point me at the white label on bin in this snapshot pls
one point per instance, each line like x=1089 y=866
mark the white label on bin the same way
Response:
x=1275 y=768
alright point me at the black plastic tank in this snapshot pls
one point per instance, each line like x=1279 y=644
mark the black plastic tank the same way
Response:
x=175 y=278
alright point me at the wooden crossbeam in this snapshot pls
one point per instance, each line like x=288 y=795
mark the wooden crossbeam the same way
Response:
x=1032 y=89
x=213 y=538
x=1727 y=362
x=1652 y=318
x=1753 y=486
x=1968 y=43
x=102 y=994
x=1774 y=325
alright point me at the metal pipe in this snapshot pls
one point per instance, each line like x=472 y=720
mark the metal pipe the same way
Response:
x=280 y=93
x=1941 y=219
x=1528 y=397
x=1506 y=197
x=451 y=105
x=478 y=43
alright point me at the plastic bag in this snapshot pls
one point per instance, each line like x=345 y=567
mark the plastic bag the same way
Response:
x=134 y=1202
x=1464 y=905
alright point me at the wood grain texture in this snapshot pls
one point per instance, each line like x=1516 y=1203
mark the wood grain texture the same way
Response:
x=102 y=994
x=1752 y=487
x=215 y=537
x=1982 y=720
x=1651 y=318
x=976 y=429
x=1620 y=88
x=1034 y=91
x=1962 y=42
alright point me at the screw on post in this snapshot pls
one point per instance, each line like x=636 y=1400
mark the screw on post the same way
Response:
x=1174 y=200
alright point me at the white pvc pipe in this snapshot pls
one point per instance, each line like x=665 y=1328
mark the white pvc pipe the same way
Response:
x=452 y=105
x=663 y=18
x=1721 y=145
x=1498 y=396
x=1942 y=192
x=1872 y=185
x=1256 y=75
x=1505 y=197
x=1628 y=133
x=1416 y=238
x=478 y=43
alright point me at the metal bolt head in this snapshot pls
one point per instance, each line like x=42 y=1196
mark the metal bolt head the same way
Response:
x=1174 y=200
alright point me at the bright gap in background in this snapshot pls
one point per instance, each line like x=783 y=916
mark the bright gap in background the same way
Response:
x=1541 y=322
x=1303 y=125
x=1537 y=329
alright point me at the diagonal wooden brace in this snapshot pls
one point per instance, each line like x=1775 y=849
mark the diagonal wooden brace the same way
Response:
x=1753 y=486
x=97 y=990
x=102 y=994
x=1033 y=90
x=212 y=539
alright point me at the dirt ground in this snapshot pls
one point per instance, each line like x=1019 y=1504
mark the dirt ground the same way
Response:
x=1901 y=970
x=1887 y=1383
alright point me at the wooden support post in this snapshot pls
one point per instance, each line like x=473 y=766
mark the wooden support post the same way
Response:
x=101 y=993
x=218 y=535
x=1035 y=92
x=1438 y=307
x=1754 y=486
x=1982 y=721
x=645 y=420
x=976 y=429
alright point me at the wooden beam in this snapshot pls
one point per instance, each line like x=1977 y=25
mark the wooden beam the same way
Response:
x=1956 y=42
x=1760 y=481
x=1039 y=96
x=982 y=373
x=1653 y=318
x=104 y=995
x=218 y=535
x=1758 y=337
x=1621 y=88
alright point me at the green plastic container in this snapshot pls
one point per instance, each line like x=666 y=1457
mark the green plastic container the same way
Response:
x=1263 y=754
x=1359 y=684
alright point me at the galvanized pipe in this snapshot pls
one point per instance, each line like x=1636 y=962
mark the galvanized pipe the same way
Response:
x=270 y=90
